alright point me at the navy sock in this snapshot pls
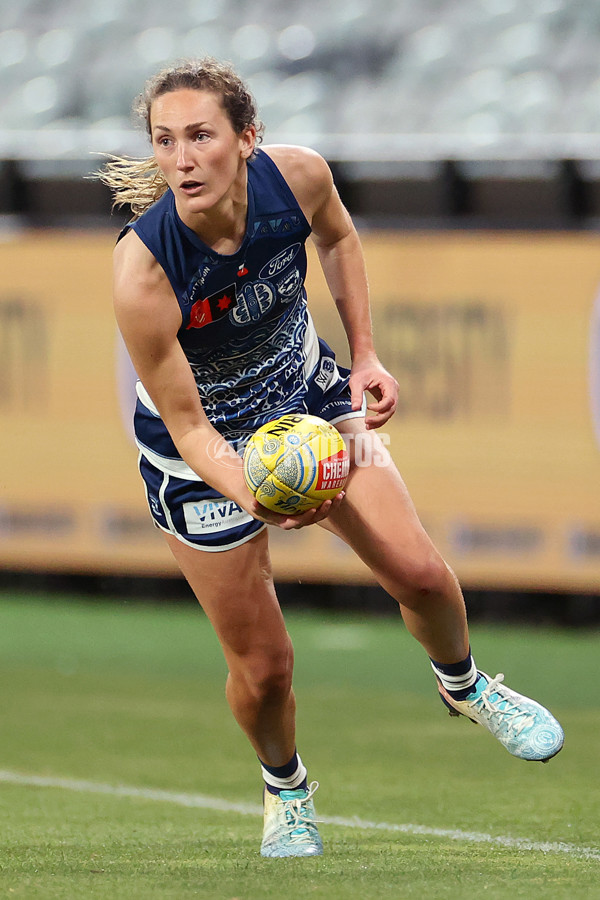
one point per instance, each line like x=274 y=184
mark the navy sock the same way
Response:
x=290 y=777
x=457 y=678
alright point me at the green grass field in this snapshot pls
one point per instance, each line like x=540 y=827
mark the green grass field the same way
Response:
x=119 y=759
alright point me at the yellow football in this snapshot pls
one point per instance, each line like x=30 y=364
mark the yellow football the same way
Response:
x=295 y=462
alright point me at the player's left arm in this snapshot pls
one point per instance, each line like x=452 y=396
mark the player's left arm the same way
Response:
x=341 y=257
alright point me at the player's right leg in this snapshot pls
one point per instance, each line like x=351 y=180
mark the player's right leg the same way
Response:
x=223 y=553
x=235 y=589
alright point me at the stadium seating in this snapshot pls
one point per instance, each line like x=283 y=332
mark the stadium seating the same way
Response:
x=423 y=78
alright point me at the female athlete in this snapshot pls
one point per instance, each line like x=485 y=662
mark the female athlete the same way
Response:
x=209 y=297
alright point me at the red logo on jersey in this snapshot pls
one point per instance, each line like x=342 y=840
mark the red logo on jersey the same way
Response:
x=210 y=309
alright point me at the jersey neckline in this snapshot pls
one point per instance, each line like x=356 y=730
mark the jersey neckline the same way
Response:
x=201 y=245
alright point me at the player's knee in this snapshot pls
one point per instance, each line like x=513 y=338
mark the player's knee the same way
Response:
x=272 y=684
x=425 y=575
x=269 y=677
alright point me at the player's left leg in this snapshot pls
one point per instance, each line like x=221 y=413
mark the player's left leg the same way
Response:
x=379 y=521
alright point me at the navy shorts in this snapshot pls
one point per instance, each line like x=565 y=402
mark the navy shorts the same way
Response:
x=198 y=515
x=194 y=512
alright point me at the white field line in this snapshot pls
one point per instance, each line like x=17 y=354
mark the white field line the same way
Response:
x=203 y=802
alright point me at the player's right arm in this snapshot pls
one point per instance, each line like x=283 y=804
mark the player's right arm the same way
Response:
x=149 y=318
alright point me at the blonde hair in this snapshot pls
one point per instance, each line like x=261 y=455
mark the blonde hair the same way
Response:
x=138 y=183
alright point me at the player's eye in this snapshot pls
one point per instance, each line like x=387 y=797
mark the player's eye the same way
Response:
x=202 y=136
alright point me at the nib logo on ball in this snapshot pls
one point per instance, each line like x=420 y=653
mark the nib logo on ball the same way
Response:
x=295 y=463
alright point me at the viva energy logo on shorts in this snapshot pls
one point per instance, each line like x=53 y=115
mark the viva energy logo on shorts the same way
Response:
x=333 y=471
x=210 y=516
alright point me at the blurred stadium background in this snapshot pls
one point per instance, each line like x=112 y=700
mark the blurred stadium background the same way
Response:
x=464 y=137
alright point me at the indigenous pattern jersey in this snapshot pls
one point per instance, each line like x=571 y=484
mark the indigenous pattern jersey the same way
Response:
x=246 y=330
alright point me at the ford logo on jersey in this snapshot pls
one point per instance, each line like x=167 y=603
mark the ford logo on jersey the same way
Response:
x=279 y=262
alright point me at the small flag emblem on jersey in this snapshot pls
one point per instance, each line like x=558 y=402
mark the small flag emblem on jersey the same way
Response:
x=211 y=309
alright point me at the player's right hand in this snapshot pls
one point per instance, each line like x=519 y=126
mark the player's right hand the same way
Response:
x=309 y=517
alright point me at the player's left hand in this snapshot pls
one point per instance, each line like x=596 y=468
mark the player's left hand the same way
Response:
x=369 y=375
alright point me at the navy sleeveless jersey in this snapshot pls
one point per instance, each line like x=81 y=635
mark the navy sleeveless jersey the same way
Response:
x=246 y=330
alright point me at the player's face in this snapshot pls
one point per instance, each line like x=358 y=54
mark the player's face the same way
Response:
x=199 y=153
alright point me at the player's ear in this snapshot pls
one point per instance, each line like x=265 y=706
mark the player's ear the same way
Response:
x=248 y=141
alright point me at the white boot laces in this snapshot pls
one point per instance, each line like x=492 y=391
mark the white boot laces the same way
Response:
x=296 y=814
x=504 y=705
